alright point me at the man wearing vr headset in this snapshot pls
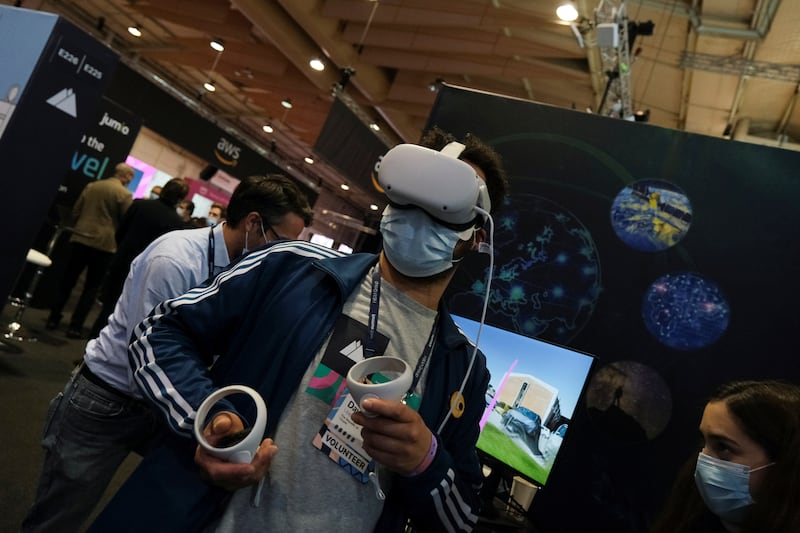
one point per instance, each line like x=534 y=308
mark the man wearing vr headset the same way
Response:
x=282 y=321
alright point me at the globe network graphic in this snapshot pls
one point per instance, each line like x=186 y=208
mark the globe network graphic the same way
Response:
x=685 y=311
x=547 y=271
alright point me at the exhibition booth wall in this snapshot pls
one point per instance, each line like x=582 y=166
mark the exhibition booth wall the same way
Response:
x=670 y=257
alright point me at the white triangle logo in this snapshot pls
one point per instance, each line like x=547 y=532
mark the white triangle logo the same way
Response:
x=353 y=351
x=65 y=101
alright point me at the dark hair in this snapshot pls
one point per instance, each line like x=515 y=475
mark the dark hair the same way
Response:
x=479 y=154
x=769 y=413
x=174 y=191
x=272 y=196
x=222 y=210
x=188 y=205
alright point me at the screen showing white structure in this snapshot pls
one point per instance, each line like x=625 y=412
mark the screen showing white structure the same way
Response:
x=533 y=391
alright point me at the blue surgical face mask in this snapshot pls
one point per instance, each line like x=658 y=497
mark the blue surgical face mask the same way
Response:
x=724 y=487
x=153 y=196
x=211 y=221
x=417 y=246
x=180 y=211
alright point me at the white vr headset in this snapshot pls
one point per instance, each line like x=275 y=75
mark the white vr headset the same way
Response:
x=445 y=187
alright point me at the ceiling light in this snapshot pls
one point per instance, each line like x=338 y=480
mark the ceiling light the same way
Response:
x=135 y=30
x=317 y=64
x=217 y=44
x=567 y=12
x=435 y=84
x=267 y=128
x=345 y=187
x=309 y=160
x=209 y=86
x=373 y=207
x=375 y=127
x=287 y=103
x=642 y=115
x=246 y=72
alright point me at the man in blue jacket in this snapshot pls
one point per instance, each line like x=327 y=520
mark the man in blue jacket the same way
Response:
x=289 y=319
x=100 y=418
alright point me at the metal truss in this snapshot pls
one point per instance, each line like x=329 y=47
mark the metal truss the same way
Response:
x=617 y=100
x=740 y=66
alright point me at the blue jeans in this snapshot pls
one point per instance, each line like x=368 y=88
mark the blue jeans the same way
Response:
x=88 y=432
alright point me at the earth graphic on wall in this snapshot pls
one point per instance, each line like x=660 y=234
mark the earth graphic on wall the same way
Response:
x=685 y=311
x=651 y=215
x=547 y=272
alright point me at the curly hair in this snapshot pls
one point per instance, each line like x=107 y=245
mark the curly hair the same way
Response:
x=479 y=154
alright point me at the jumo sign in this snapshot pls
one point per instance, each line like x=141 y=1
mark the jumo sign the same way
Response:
x=106 y=142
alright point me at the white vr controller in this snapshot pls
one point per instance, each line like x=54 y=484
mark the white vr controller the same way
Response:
x=244 y=450
x=438 y=182
x=396 y=370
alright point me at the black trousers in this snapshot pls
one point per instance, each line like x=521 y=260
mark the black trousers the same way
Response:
x=81 y=258
x=109 y=294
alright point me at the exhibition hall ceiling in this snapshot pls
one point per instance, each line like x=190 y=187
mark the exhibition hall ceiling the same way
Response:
x=717 y=67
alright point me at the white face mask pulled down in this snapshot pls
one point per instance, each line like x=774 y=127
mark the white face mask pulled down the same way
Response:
x=246 y=248
x=417 y=246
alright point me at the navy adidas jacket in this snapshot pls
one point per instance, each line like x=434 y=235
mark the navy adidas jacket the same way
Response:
x=267 y=316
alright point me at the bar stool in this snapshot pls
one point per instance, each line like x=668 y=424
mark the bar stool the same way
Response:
x=16 y=331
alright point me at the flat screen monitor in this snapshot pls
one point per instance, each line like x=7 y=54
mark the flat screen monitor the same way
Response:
x=534 y=389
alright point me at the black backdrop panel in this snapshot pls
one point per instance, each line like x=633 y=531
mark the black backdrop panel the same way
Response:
x=170 y=118
x=67 y=72
x=670 y=256
x=107 y=141
x=350 y=147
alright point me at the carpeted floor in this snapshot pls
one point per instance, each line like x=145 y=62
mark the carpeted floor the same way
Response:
x=31 y=374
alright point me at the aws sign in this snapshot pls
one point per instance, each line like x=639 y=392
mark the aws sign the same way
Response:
x=227 y=153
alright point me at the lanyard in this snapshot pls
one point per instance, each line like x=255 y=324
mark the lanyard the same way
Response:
x=372 y=327
x=211 y=251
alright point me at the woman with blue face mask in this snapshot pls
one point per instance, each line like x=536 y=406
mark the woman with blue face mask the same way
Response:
x=746 y=477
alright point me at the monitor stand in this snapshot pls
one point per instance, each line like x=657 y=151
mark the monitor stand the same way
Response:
x=499 y=520
x=494 y=516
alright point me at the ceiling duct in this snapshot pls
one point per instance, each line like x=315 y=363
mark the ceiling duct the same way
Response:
x=756 y=33
x=742 y=133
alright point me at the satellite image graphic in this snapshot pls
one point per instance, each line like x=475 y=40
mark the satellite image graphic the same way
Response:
x=651 y=215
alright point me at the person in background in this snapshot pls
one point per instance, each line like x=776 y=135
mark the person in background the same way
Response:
x=746 y=478
x=144 y=221
x=185 y=210
x=279 y=321
x=97 y=214
x=99 y=418
x=155 y=192
x=216 y=214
